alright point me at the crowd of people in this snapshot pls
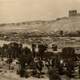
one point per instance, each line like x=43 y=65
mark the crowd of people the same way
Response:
x=34 y=62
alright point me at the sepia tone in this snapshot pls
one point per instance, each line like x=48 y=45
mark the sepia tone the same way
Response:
x=39 y=39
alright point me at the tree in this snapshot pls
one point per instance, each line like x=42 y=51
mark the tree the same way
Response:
x=42 y=48
x=24 y=58
x=68 y=52
x=53 y=74
x=5 y=50
x=14 y=50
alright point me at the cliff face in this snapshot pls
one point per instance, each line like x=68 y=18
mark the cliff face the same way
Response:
x=65 y=24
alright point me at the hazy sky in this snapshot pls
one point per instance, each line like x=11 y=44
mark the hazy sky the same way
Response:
x=26 y=10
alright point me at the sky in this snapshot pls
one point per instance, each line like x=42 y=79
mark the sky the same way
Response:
x=29 y=10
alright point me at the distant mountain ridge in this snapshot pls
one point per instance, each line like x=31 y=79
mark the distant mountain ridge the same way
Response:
x=65 y=24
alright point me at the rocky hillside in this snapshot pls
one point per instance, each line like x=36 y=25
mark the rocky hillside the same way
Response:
x=65 y=24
